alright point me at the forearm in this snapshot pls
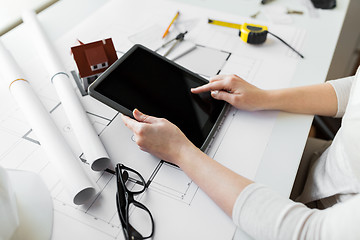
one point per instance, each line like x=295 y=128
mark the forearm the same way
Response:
x=316 y=99
x=220 y=183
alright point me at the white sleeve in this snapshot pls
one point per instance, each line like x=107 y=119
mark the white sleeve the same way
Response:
x=263 y=214
x=342 y=89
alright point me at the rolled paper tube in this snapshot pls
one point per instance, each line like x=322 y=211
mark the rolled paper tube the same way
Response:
x=85 y=133
x=67 y=165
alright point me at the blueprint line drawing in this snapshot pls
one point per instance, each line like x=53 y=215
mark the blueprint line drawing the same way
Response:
x=107 y=221
x=110 y=225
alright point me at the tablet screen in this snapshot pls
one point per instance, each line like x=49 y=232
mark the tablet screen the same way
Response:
x=147 y=81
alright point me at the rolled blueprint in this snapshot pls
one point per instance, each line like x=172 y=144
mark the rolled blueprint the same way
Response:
x=85 y=133
x=67 y=165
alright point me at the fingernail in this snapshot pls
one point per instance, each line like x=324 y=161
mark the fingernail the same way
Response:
x=214 y=92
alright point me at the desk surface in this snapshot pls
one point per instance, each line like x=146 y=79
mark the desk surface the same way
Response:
x=291 y=130
x=283 y=152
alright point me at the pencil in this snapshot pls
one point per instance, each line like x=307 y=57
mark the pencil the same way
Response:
x=167 y=30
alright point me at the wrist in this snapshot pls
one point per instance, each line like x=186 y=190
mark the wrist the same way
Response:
x=263 y=100
x=269 y=100
x=188 y=154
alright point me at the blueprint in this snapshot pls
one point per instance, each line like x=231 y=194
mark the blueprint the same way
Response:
x=180 y=209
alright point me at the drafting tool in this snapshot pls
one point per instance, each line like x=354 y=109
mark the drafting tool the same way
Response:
x=179 y=38
x=265 y=1
x=289 y=11
x=172 y=21
x=251 y=33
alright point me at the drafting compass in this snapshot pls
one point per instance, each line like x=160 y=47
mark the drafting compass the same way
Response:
x=179 y=38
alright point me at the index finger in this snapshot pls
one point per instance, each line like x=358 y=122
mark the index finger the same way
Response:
x=132 y=124
x=212 y=86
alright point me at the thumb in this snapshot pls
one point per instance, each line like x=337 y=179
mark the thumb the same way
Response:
x=141 y=117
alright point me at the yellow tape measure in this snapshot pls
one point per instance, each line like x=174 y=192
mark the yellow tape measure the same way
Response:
x=251 y=33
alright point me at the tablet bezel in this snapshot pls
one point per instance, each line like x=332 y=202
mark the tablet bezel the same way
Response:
x=106 y=100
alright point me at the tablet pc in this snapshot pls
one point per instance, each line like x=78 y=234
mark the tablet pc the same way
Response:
x=158 y=87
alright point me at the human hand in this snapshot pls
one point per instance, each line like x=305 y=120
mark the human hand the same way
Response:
x=235 y=91
x=158 y=136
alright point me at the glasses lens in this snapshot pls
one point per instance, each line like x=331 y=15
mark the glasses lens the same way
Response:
x=140 y=220
x=135 y=182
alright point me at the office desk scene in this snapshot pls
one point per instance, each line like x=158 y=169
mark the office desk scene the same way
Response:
x=65 y=144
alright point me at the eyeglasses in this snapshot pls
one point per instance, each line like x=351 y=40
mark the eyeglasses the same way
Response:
x=130 y=183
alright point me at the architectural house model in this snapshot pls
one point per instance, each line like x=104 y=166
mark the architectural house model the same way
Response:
x=93 y=58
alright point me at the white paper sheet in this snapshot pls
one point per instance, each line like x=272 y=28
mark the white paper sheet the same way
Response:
x=89 y=141
x=204 y=60
x=79 y=185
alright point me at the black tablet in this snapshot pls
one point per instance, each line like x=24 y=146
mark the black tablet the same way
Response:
x=158 y=87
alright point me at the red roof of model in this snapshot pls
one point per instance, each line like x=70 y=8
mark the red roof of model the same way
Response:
x=90 y=54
